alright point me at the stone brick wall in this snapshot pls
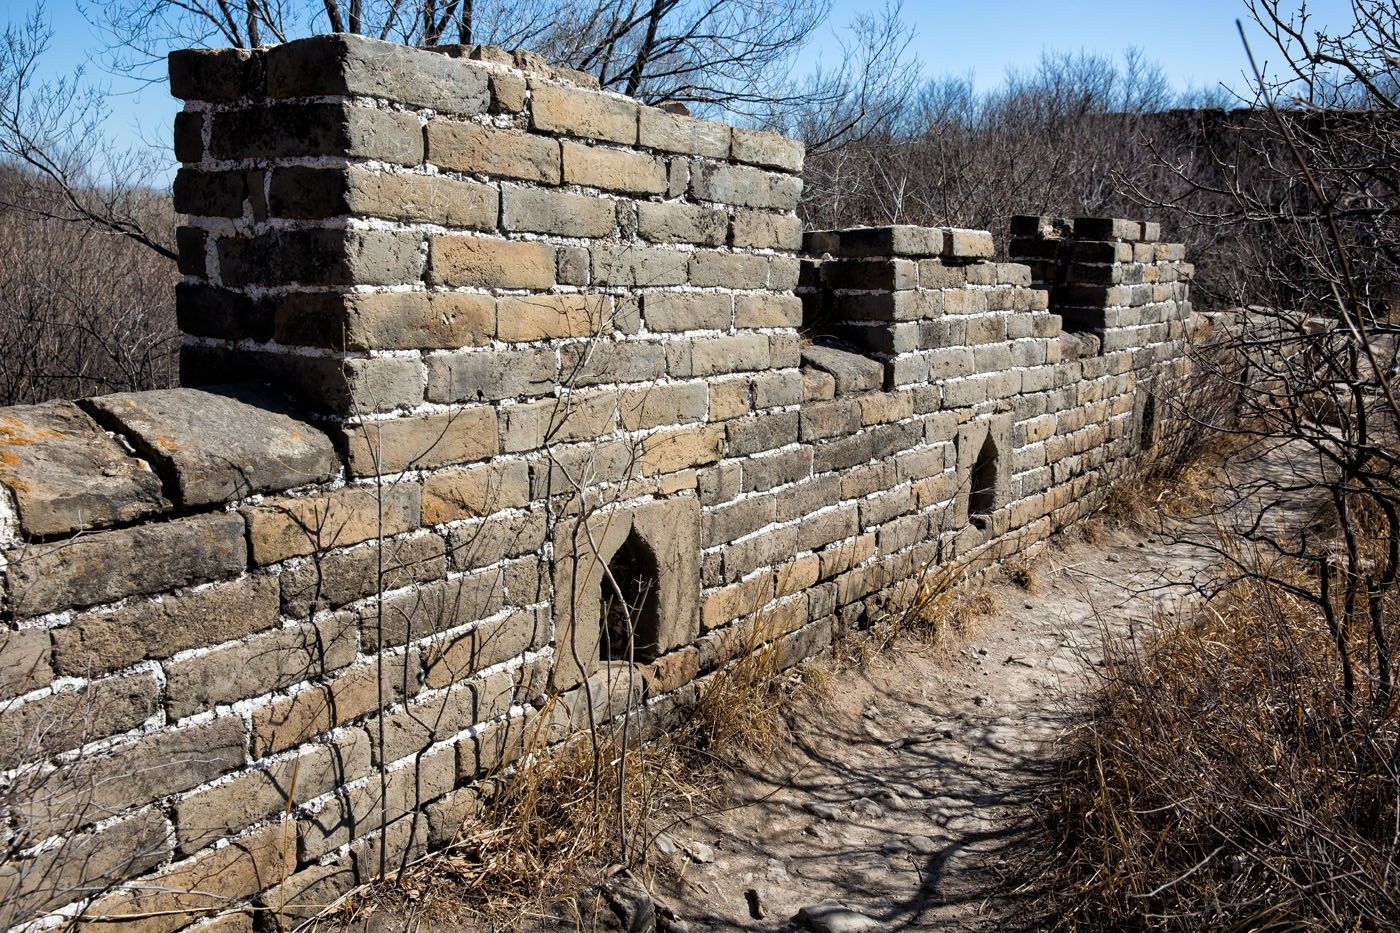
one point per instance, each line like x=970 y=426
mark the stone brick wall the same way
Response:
x=473 y=348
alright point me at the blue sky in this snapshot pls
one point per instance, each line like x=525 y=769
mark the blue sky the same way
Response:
x=1193 y=40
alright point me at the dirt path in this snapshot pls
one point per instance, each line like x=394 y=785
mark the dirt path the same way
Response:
x=901 y=795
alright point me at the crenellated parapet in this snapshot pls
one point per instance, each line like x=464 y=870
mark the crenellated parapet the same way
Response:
x=474 y=354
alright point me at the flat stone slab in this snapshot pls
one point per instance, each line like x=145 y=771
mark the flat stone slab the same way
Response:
x=852 y=372
x=68 y=475
x=217 y=446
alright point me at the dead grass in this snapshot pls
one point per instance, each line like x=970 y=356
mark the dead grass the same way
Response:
x=1219 y=784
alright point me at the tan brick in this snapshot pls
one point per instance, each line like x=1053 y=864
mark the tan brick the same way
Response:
x=672 y=671
x=260 y=664
x=765 y=230
x=475 y=491
x=205 y=884
x=109 y=565
x=715 y=269
x=674 y=132
x=287 y=722
x=654 y=406
x=419 y=442
x=670 y=451
x=488 y=644
x=293 y=527
x=614 y=169
x=885 y=407
x=582 y=416
x=98 y=642
x=490 y=263
x=335 y=578
x=682 y=223
x=551 y=317
x=98 y=786
x=729 y=398
x=88 y=861
x=680 y=311
x=210 y=814
x=589 y=114
x=744 y=186
x=739 y=353
x=758 y=147
x=769 y=310
x=537 y=210
x=735 y=602
x=25 y=661
x=637 y=267
x=429 y=198
x=387 y=320
x=483 y=150
x=69 y=718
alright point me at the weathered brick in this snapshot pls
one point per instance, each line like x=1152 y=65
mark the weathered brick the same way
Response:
x=386 y=320
x=674 y=132
x=332 y=579
x=97 y=642
x=212 y=813
x=419 y=442
x=489 y=541
x=581 y=416
x=682 y=449
x=259 y=664
x=683 y=223
x=315 y=193
x=710 y=355
x=111 y=565
x=455 y=659
x=771 y=150
x=744 y=186
x=680 y=311
x=536 y=210
x=26 y=661
x=764 y=230
x=212 y=194
x=716 y=269
x=490 y=263
x=552 y=317
x=303 y=130
x=295 y=527
x=663 y=404
x=609 y=361
x=72 y=717
x=203 y=885
x=290 y=721
x=475 y=491
x=486 y=150
x=216 y=75
x=613 y=169
x=213 y=448
x=637 y=267
x=491 y=374
x=770 y=310
x=358 y=66
x=321 y=256
x=590 y=114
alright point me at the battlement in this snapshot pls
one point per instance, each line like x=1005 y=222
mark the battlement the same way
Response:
x=470 y=345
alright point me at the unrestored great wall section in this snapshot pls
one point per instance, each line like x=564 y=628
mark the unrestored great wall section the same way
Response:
x=482 y=347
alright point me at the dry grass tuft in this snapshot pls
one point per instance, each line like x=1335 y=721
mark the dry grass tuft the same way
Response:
x=1020 y=571
x=1221 y=784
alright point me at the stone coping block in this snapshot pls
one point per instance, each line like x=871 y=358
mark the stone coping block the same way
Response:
x=901 y=240
x=221 y=445
x=852 y=372
x=68 y=475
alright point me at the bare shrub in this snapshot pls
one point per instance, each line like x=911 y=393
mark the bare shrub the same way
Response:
x=83 y=311
x=1221 y=783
